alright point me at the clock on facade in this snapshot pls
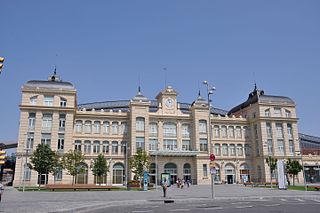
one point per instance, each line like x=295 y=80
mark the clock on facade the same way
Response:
x=169 y=103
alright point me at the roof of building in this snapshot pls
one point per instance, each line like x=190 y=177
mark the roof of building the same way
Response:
x=123 y=105
x=258 y=96
x=53 y=82
x=309 y=142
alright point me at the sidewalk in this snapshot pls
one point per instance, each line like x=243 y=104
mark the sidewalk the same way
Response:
x=14 y=201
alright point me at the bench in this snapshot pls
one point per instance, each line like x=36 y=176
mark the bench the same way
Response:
x=76 y=187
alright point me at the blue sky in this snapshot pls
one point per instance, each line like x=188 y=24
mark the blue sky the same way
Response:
x=104 y=47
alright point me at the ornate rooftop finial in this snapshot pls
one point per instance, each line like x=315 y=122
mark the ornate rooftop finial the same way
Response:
x=54 y=77
x=139 y=90
x=199 y=94
x=55 y=70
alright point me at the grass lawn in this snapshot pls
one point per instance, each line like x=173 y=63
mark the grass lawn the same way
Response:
x=301 y=188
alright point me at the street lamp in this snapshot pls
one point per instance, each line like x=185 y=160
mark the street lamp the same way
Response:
x=156 y=162
x=210 y=90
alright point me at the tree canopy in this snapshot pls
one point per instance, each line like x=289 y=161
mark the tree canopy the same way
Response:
x=100 y=167
x=71 y=161
x=139 y=163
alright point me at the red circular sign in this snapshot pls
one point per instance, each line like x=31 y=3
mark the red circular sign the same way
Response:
x=212 y=157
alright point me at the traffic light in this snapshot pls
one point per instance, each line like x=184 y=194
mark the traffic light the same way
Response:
x=1 y=63
x=2 y=157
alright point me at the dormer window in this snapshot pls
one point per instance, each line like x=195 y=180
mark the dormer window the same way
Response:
x=63 y=102
x=48 y=100
x=33 y=100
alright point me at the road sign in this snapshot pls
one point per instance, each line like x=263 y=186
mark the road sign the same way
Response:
x=212 y=157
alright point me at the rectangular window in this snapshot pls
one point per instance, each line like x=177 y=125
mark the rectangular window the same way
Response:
x=270 y=147
x=279 y=130
x=106 y=127
x=78 y=126
x=269 y=130
x=289 y=128
x=153 y=130
x=96 y=127
x=140 y=124
x=203 y=126
x=277 y=112
x=140 y=143
x=63 y=102
x=217 y=149
x=105 y=147
x=46 y=122
x=247 y=149
x=30 y=140
x=114 y=147
x=238 y=132
x=240 y=150
x=232 y=150
x=216 y=132
x=33 y=100
x=169 y=144
x=280 y=146
x=87 y=147
x=291 y=147
x=48 y=101
x=62 y=122
x=114 y=128
x=224 y=131
x=77 y=145
x=231 y=132
x=224 y=149
x=186 y=145
x=153 y=144
x=203 y=145
x=46 y=139
x=205 y=170
x=96 y=147
x=26 y=173
x=267 y=113
x=58 y=174
x=185 y=131
x=60 y=142
x=169 y=130
x=32 y=121
x=288 y=114
x=124 y=128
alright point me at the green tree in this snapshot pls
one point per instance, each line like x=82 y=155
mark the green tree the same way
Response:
x=272 y=163
x=57 y=166
x=43 y=160
x=293 y=167
x=71 y=161
x=139 y=163
x=100 y=167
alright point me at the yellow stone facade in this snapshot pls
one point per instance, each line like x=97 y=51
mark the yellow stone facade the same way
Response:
x=174 y=134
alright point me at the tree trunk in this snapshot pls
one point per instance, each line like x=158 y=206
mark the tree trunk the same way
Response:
x=73 y=179
x=288 y=179
x=40 y=175
x=293 y=180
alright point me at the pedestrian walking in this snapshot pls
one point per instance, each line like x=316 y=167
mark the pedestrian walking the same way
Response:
x=164 y=187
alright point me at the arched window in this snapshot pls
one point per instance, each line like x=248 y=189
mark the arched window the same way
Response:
x=169 y=130
x=140 y=124
x=33 y=100
x=232 y=149
x=187 y=172
x=224 y=149
x=87 y=147
x=118 y=173
x=87 y=127
x=114 y=147
x=106 y=127
x=224 y=131
x=78 y=126
x=216 y=131
x=238 y=132
x=82 y=178
x=63 y=102
x=240 y=150
x=105 y=147
x=96 y=127
x=231 y=131
x=114 y=128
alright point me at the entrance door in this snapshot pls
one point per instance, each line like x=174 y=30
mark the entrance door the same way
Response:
x=171 y=168
x=230 y=179
x=118 y=174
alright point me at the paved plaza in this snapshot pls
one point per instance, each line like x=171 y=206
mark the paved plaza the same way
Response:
x=15 y=201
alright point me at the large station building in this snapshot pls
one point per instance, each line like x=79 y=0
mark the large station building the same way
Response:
x=176 y=135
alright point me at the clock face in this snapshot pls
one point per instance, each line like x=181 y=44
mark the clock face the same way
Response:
x=169 y=103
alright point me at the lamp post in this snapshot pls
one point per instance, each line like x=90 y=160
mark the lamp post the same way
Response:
x=210 y=90
x=156 y=162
